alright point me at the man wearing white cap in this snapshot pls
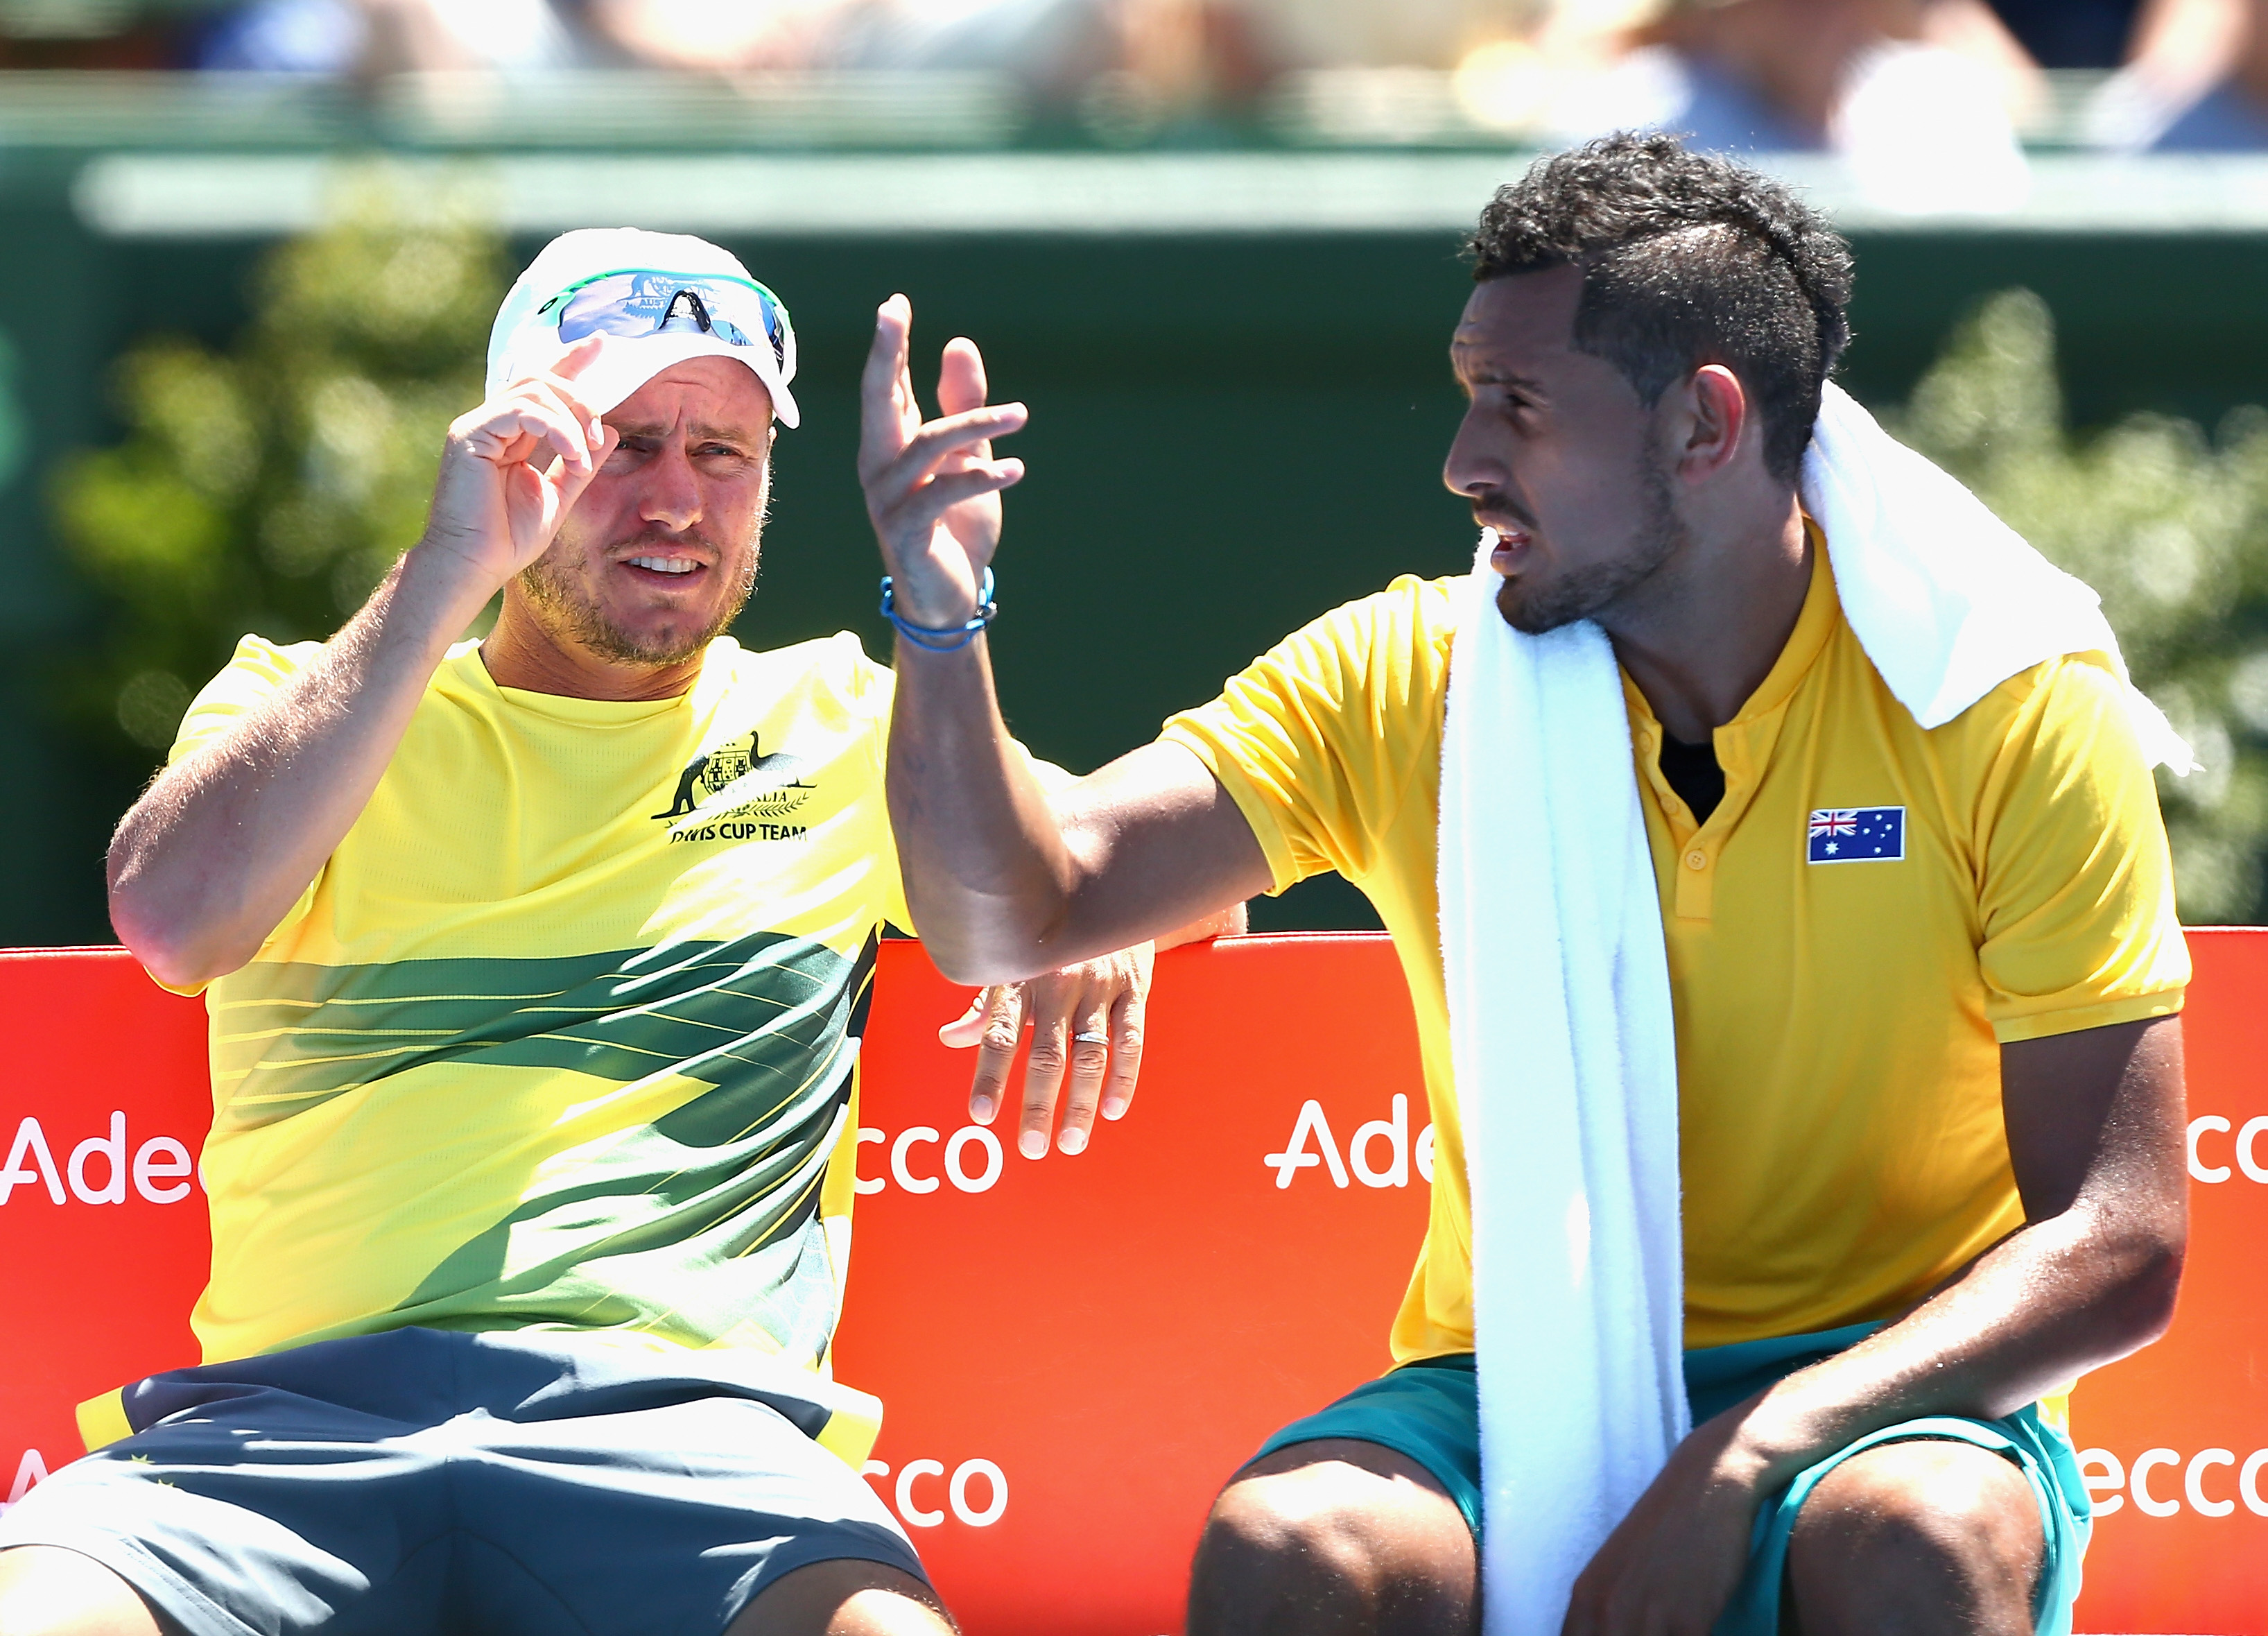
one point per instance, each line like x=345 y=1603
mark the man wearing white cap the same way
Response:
x=537 y=967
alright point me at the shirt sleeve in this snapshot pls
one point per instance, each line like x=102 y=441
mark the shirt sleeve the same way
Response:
x=2080 y=929
x=252 y=676
x=1316 y=742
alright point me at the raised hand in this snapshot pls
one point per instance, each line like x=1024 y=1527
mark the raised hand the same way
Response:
x=932 y=488
x=513 y=468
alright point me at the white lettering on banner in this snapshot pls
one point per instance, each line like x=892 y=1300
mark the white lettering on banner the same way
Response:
x=30 y=1141
x=30 y=1471
x=956 y=1161
x=1396 y=1133
x=2112 y=1479
x=2193 y=1485
x=2198 y=1168
x=2101 y=1470
x=152 y=1168
x=911 y=1514
x=147 y=1168
x=2246 y=1160
x=112 y=1151
x=2246 y=1149
x=973 y=1136
x=907 y=1138
x=2137 y=1482
x=956 y=1491
x=1314 y=1126
x=1295 y=1155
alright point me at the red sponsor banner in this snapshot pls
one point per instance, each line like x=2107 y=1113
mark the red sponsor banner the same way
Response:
x=104 y=1106
x=2173 y=1441
x=1075 y=1353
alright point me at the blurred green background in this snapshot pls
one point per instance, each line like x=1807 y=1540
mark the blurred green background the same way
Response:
x=205 y=434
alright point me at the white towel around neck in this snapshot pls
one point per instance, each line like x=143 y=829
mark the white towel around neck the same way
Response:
x=1560 y=1030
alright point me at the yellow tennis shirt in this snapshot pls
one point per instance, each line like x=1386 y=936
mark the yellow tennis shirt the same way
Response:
x=565 y=1034
x=1838 y=1022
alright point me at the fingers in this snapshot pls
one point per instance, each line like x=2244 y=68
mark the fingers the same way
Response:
x=1045 y=1066
x=960 y=383
x=966 y=433
x=1127 y=1020
x=968 y=1028
x=1088 y=1058
x=578 y=358
x=529 y=416
x=886 y=385
x=1002 y=1013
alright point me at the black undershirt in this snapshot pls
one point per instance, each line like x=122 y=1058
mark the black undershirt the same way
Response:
x=1693 y=772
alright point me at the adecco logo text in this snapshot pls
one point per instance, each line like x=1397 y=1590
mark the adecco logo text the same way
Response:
x=971 y=1160
x=29 y=1469
x=1313 y=1128
x=960 y=1491
x=97 y=1170
x=2162 y=1482
x=2242 y=1150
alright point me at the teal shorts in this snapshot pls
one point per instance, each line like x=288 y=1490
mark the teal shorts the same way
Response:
x=1430 y=1411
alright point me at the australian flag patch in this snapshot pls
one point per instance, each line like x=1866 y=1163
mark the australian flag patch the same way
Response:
x=1856 y=835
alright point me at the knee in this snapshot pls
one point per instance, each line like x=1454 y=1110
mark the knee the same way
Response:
x=1941 y=1518
x=46 y=1591
x=1330 y=1546
x=1309 y=1523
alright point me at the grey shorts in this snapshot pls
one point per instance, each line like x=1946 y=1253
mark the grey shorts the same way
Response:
x=427 y=1481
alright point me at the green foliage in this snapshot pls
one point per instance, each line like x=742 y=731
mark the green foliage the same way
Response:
x=2171 y=527
x=269 y=488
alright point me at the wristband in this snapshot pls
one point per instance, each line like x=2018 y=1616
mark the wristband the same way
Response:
x=943 y=638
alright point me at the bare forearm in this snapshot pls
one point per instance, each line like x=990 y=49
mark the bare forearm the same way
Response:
x=1230 y=922
x=987 y=874
x=215 y=852
x=2094 y=1121
x=2051 y=1301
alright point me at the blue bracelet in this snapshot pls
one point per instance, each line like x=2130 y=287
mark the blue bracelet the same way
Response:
x=943 y=638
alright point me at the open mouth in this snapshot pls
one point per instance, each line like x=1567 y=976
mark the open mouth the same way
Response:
x=673 y=571
x=1508 y=546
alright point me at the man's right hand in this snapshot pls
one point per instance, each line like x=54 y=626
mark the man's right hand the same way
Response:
x=933 y=488
x=208 y=862
x=512 y=468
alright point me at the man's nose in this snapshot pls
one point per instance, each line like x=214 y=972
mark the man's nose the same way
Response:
x=670 y=494
x=1472 y=468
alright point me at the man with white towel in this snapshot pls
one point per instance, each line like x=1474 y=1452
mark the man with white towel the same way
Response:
x=1770 y=840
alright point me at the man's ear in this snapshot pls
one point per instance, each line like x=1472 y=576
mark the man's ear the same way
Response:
x=1713 y=419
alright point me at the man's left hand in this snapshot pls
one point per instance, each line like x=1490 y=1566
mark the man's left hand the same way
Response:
x=1673 y=1565
x=1086 y=1047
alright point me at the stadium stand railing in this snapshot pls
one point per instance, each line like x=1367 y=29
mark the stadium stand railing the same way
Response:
x=1074 y=1353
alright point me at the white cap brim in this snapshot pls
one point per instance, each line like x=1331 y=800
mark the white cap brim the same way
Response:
x=626 y=363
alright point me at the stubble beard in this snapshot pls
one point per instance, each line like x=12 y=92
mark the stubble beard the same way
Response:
x=574 y=618
x=1592 y=591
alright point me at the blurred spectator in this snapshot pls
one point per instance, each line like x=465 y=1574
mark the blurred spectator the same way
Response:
x=2072 y=33
x=375 y=37
x=2197 y=81
x=1916 y=95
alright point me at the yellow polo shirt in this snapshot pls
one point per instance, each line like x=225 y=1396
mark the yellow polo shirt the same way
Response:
x=2002 y=877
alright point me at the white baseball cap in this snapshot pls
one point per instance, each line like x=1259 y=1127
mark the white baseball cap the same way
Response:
x=655 y=299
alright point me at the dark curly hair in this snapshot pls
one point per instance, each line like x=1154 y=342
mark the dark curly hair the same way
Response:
x=1687 y=260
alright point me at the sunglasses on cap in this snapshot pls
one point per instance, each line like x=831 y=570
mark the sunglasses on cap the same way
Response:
x=637 y=301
